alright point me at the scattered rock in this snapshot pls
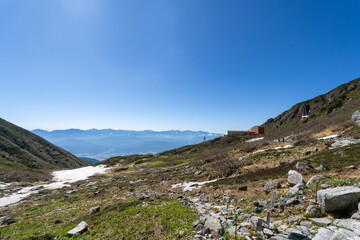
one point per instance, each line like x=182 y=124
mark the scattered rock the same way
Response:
x=306 y=224
x=344 y=142
x=37 y=188
x=243 y=188
x=180 y=197
x=342 y=233
x=57 y=221
x=344 y=223
x=94 y=210
x=268 y=232
x=82 y=227
x=323 y=233
x=7 y=220
x=199 y=227
x=313 y=211
x=202 y=197
x=297 y=236
x=356 y=216
x=181 y=233
x=258 y=223
x=308 y=152
x=302 y=166
x=198 y=237
x=197 y=222
x=198 y=172
x=294 y=200
x=339 y=198
x=143 y=197
x=71 y=191
x=325 y=185
x=297 y=188
x=314 y=179
x=323 y=222
x=271 y=185
x=321 y=168
x=214 y=224
x=293 y=219
x=351 y=167
x=294 y=178
x=207 y=230
x=259 y=204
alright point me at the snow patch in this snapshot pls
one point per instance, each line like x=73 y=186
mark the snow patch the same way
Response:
x=189 y=186
x=277 y=148
x=286 y=146
x=4 y=185
x=254 y=139
x=61 y=179
x=328 y=137
x=78 y=174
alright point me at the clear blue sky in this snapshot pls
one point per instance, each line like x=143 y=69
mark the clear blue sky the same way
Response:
x=191 y=64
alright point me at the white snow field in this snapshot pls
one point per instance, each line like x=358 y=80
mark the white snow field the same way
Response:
x=61 y=179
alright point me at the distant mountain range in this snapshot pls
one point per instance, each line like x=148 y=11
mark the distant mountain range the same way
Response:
x=105 y=143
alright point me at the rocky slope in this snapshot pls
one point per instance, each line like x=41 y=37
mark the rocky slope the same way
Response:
x=333 y=109
x=23 y=154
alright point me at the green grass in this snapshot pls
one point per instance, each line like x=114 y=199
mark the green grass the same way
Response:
x=161 y=219
x=336 y=158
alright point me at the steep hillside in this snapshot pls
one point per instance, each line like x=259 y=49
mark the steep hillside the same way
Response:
x=23 y=154
x=332 y=109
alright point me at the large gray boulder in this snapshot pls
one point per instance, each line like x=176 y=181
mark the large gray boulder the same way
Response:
x=339 y=198
x=214 y=224
x=82 y=227
x=356 y=117
x=294 y=178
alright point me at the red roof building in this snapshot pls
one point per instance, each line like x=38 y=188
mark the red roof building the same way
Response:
x=252 y=131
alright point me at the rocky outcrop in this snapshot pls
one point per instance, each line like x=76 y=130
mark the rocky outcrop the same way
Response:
x=339 y=198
